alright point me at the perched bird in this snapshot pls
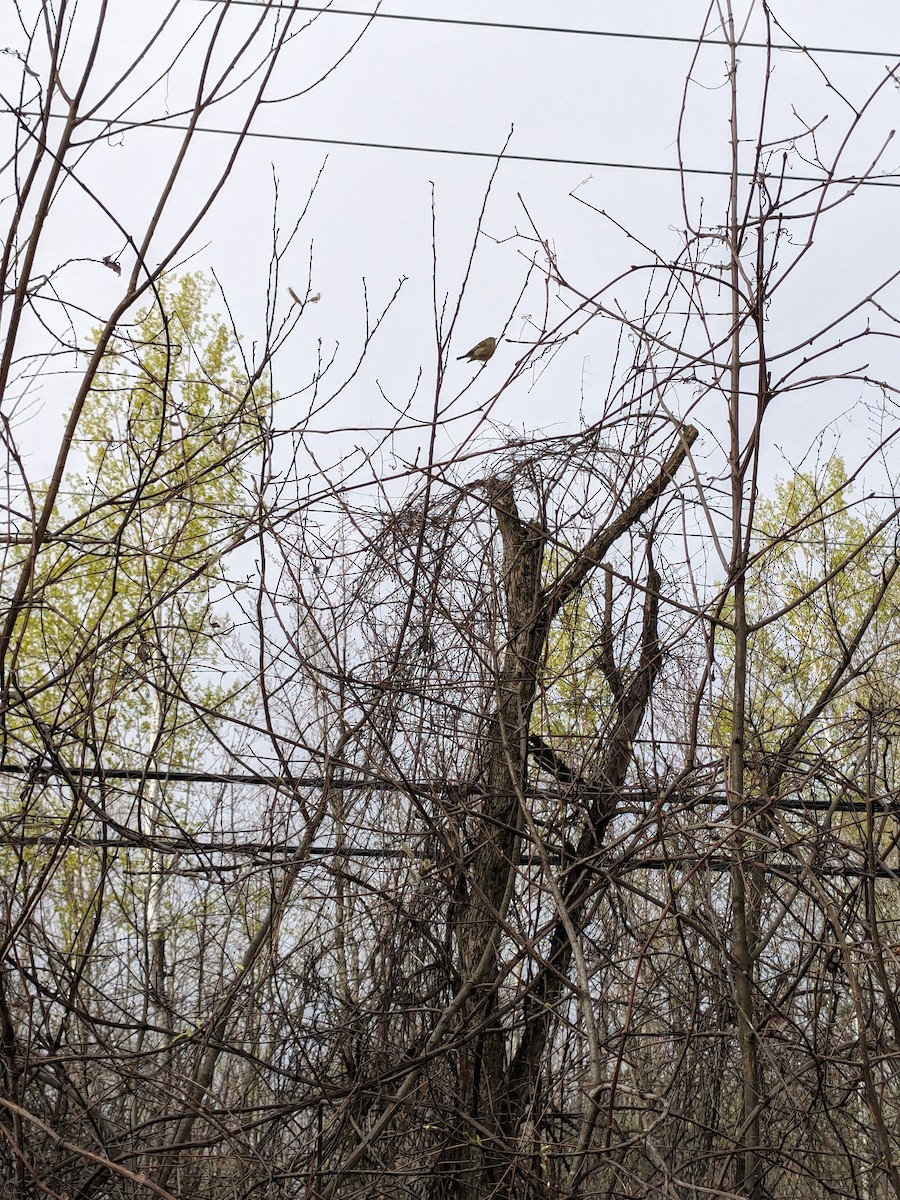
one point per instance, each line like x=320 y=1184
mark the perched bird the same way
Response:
x=482 y=352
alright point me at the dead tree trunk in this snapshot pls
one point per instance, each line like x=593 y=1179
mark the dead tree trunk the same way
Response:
x=495 y=1086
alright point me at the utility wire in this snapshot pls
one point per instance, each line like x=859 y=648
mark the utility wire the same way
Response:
x=563 y=29
x=271 y=854
x=886 y=803
x=117 y=126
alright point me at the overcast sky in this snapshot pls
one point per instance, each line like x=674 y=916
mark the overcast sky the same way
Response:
x=609 y=106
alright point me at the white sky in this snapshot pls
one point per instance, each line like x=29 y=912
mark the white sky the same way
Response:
x=568 y=96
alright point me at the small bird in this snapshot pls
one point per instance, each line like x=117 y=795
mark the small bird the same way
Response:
x=482 y=352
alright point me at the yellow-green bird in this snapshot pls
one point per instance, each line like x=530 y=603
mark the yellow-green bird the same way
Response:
x=481 y=352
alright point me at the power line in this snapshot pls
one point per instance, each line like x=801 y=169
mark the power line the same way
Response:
x=117 y=126
x=269 y=855
x=561 y=29
x=889 y=803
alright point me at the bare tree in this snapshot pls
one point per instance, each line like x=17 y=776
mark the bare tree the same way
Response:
x=512 y=820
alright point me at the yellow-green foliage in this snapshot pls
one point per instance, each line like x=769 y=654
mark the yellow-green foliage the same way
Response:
x=575 y=698
x=122 y=589
x=115 y=653
x=815 y=568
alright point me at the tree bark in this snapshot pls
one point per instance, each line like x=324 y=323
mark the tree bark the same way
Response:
x=495 y=1087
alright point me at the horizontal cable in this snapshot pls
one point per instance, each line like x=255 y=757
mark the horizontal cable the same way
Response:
x=444 y=787
x=517 y=27
x=275 y=854
x=116 y=126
